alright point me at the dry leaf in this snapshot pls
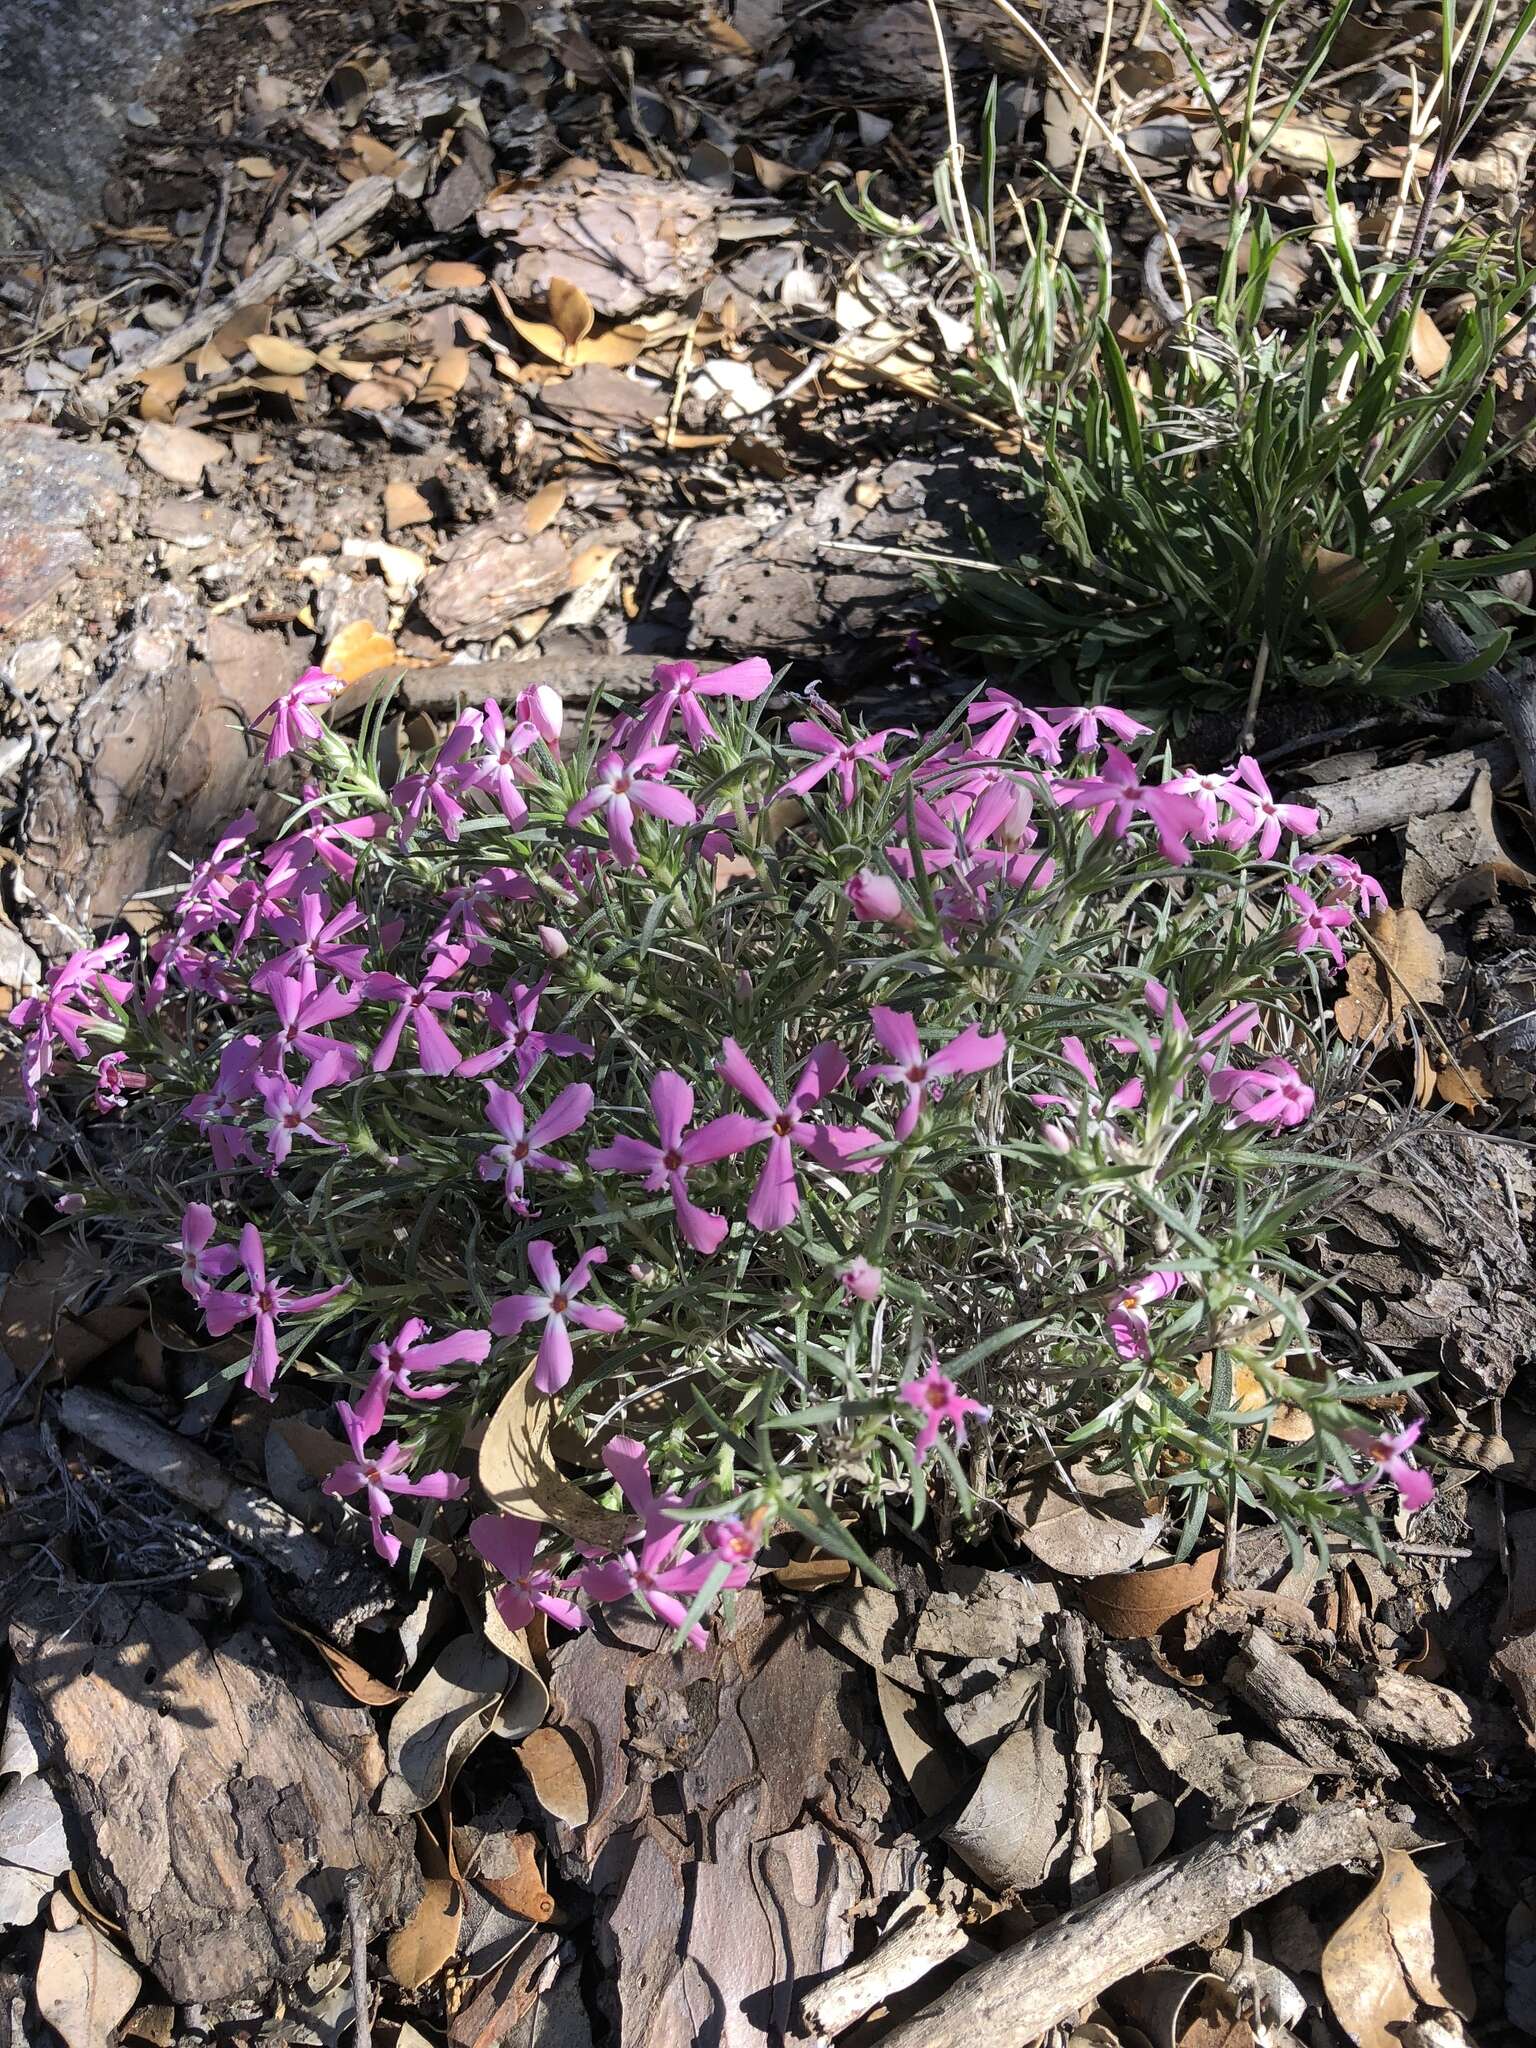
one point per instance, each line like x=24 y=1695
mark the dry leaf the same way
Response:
x=1307 y=145
x=83 y=1987
x=164 y=389
x=570 y=311
x=446 y=378
x=1011 y=1825
x=555 y=1770
x=416 y=1952
x=1400 y=966
x=40 y=1316
x=1349 y=597
x=179 y=454
x=353 y=1678
x=518 y=1471
x=612 y=349
x=918 y=1745
x=256 y=166
x=453 y=277
x=522 y=1889
x=287 y=358
x=1395 y=1953
x=1136 y=1605
x=357 y=650
x=1104 y=1526
x=1428 y=347
x=435 y=1726
x=404 y=506
x=542 y=507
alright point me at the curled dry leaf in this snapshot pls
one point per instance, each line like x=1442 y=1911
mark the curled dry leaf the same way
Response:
x=1428 y=347
x=354 y=1679
x=557 y=1771
x=357 y=650
x=518 y=1471
x=1137 y=1605
x=164 y=389
x=919 y=1747
x=1348 y=596
x=436 y=1726
x=276 y=352
x=83 y=1987
x=1396 y=1953
x=454 y=277
x=446 y=378
x=1010 y=1829
x=1102 y=1525
x=570 y=311
x=516 y=1882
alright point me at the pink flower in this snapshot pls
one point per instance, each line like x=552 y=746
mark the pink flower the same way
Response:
x=831 y=752
x=382 y=1474
x=677 y=1150
x=312 y=941
x=1349 y=883
x=542 y=708
x=621 y=787
x=264 y=1300
x=499 y=768
x=729 y=1536
x=1259 y=813
x=418 y=1006
x=74 y=1001
x=1117 y=793
x=1271 y=1093
x=876 y=899
x=290 y=1106
x=508 y=1543
x=514 y=1019
x=663 y=1582
x=440 y=786
x=1098 y=1114
x=938 y=1400
x=861 y=1281
x=970 y=1052
x=1319 y=924
x=556 y=1307
x=1215 y=793
x=114 y=1080
x=202 y=1262
x=1389 y=1454
x=294 y=723
x=519 y=1152
x=408 y=1352
x=1127 y=1320
x=554 y=944
x=680 y=688
x=302 y=1006
x=1080 y=723
x=776 y=1198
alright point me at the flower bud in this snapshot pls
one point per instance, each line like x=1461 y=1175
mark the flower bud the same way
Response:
x=743 y=986
x=862 y=1281
x=874 y=898
x=541 y=707
x=556 y=945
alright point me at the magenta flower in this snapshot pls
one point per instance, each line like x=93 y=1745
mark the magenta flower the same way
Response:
x=1389 y=1454
x=499 y=767
x=556 y=1307
x=776 y=1198
x=1080 y=723
x=439 y=787
x=514 y=1019
x=313 y=940
x=663 y=1582
x=969 y=1052
x=409 y=1352
x=519 y=1152
x=680 y=688
x=294 y=723
x=1117 y=793
x=115 y=1080
x=1127 y=1321
x=290 y=1105
x=264 y=1300
x=1098 y=1112
x=202 y=1261
x=876 y=899
x=302 y=1006
x=938 y=1400
x=677 y=1150
x=73 y=1002
x=1271 y=1093
x=861 y=1281
x=1349 y=883
x=508 y=1544
x=622 y=786
x=1257 y=812
x=418 y=1006
x=542 y=708
x=1214 y=791
x=832 y=754
x=1319 y=924
x=381 y=1475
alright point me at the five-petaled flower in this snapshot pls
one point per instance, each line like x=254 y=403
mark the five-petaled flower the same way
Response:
x=1388 y=1453
x=294 y=723
x=414 y=1349
x=520 y=1151
x=654 y=1574
x=621 y=785
x=831 y=753
x=938 y=1400
x=1127 y=1321
x=1319 y=924
x=290 y=1105
x=680 y=688
x=861 y=1281
x=509 y=1544
x=785 y=1126
x=384 y=1473
x=970 y=1051
x=1270 y=1093
x=1258 y=814
x=261 y=1298
x=419 y=1005
x=1117 y=793
x=556 y=1307
x=668 y=1162
x=514 y=1019
x=202 y=1261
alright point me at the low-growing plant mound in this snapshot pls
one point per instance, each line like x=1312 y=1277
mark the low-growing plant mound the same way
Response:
x=793 y=1114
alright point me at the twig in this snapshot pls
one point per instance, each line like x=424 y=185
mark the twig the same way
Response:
x=915 y=1946
x=680 y=382
x=956 y=150
x=1081 y=160
x=357 y=1931
x=1255 y=692
x=1051 y=1976
x=1087 y=1747
x=1512 y=695
x=357 y=205
x=390 y=309
x=1386 y=797
x=215 y=247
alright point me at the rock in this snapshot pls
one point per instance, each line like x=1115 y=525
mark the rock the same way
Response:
x=624 y=239
x=179 y=454
x=985 y=1614
x=492 y=575
x=49 y=488
x=222 y=1794
x=33 y=663
x=343 y=600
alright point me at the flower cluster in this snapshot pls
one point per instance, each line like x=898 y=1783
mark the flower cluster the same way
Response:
x=809 y=1097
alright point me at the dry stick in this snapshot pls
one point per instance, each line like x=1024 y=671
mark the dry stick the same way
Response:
x=1512 y=695
x=916 y=1946
x=1080 y=163
x=357 y=205
x=956 y=150
x=357 y=1933
x=1387 y=797
x=216 y=229
x=332 y=1589
x=1117 y=148
x=1051 y=1976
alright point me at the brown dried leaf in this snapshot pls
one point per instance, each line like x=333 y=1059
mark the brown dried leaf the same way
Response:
x=453 y=277
x=1011 y=1825
x=556 y=1770
x=522 y=1889
x=518 y=1471
x=416 y=1952
x=179 y=454
x=287 y=358
x=570 y=311
x=357 y=650
x=404 y=506
x=1136 y=1605
x=1399 y=966
x=164 y=389
x=83 y=1987
x=40 y=1316
x=1395 y=1953
x=1348 y=596
x=446 y=378
x=1428 y=347
x=919 y=1747
x=1103 y=1526
x=435 y=1726
x=354 y=1679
